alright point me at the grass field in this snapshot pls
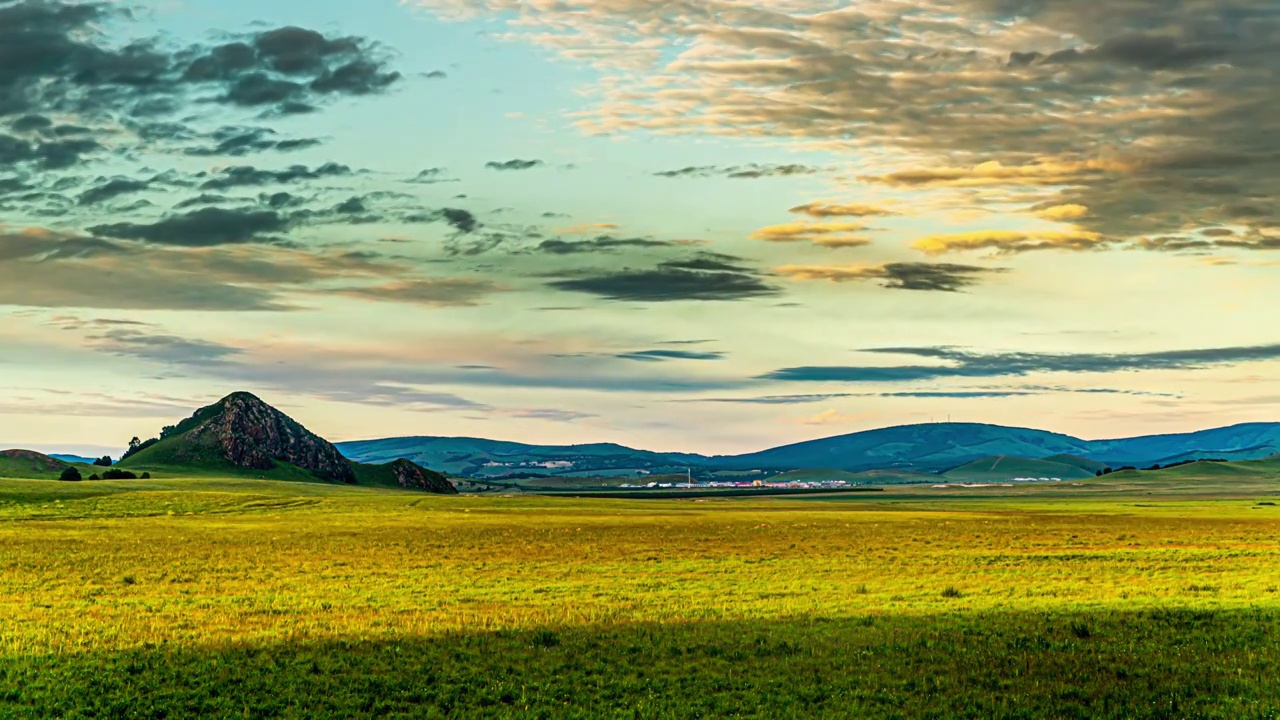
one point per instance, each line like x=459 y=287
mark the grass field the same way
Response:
x=1154 y=596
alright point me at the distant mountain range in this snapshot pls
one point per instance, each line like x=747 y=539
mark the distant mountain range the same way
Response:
x=928 y=448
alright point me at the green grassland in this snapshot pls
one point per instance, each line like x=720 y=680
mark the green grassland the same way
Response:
x=1004 y=468
x=1148 y=595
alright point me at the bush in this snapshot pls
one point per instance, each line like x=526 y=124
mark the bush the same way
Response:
x=146 y=476
x=95 y=476
x=114 y=474
x=104 y=461
x=70 y=475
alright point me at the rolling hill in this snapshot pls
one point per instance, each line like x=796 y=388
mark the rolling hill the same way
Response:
x=928 y=449
x=476 y=457
x=30 y=464
x=1003 y=468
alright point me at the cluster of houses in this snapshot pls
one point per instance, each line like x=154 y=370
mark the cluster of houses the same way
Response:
x=707 y=485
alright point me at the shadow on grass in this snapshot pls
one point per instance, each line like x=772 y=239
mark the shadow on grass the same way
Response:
x=1156 y=664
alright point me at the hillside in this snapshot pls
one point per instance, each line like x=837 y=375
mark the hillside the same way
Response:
x=476 y=457
x=1004 y=468
x=242 y=436
x=1093 y=466
x=29 y=464
x=1248 y=441
x=931 y=447
x=928 y=448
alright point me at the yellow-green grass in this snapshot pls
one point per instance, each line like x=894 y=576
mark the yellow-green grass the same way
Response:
x=242 y=598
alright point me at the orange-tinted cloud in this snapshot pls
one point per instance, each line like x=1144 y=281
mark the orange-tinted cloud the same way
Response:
x=1010 y=241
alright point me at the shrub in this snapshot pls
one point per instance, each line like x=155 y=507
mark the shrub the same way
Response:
x=146 y=476
x=95 y=476
x=70 y=475
x=114 y=474
x=951 y=591
x=545 y=638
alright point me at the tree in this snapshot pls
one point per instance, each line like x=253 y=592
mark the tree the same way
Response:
x=70 y=475
x=104 y=461
x=134 y=443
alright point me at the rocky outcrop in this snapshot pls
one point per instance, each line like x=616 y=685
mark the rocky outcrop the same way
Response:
x=415 y=477
x=249 y=433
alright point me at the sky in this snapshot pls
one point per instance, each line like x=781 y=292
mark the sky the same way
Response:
x=713 y=226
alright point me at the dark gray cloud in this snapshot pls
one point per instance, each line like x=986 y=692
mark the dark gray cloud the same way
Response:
x=112 y=189
x=203 y=228
x=289 y=69
x=602 y=243
x=939 y=277
x=231 y=141
x=932 y=277
x=665 y=355
x=741 y=172
x=461 y=220
x=431 y=176
x=55 y=57
x=250 y=176
x=669 y=282
x=513 y=164
x=955 y=363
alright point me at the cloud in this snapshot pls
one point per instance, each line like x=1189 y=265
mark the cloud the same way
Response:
x=1155 y=115
x=231 y=141
x=672 y=281
x=249 y=176
x=431 y=176
x=290 y=69
x=431 y=292
x=112 y=189
x=203 y=228
x=665 y=355
x=602 y=243
x=1063 y=213
x=996 y=173
x=941 y=277
x=41 y=268
x=829 y=210
x=828 y=417
x=48 y=270
x=1007 y=242
x=830 y=235
x=966 y=364
x=513 y=164
x=739 y=172
x=775 y=399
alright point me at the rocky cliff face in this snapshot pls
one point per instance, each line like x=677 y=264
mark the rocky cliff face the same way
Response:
x=412 y=476
x=251 y=434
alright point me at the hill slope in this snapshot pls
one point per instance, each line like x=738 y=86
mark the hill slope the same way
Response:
x=931 y=447
x=1003 y=468
x=245 y=433
x=928 y=448
x=29 y=464
x=241 y=435
x=477 y=457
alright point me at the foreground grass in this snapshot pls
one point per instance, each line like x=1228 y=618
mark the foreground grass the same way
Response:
x=241 y=598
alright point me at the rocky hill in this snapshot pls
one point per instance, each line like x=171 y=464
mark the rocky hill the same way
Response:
x=244 y=432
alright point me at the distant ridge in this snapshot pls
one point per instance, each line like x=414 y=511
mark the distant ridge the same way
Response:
x=924 y=448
